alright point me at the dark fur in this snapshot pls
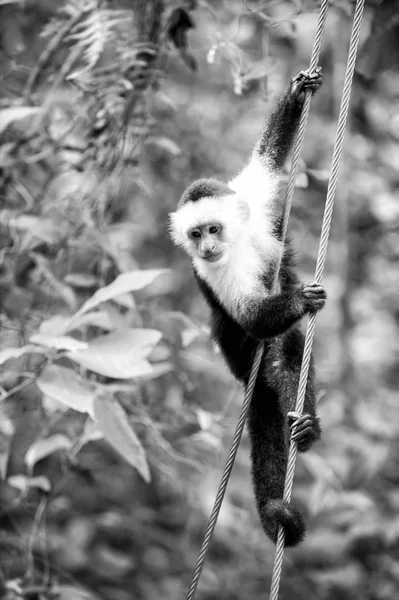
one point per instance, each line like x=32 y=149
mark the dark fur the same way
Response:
x=203 y=188
x=274 y=320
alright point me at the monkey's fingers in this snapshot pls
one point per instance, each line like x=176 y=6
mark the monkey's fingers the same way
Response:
x=296 y=419
x=300 y=426
x=308 y=74
x=313 y=84
x=314 y=290
x=315 y=294
x=292 y=417
x=303 y=429
x=307 y=79
x=302 y=435
x=314 y=75
x=299 y=422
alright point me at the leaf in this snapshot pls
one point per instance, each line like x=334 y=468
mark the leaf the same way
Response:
x=318 y=495
x=54 y=325
x=23 y=483
x=35 y=228
x=116 y=366
x=91 y=34
x=191 y=331
x=71 y=592
x=302 y=181
x=16 y=113
x=9 y=353
x=258 y=70
x=52 y=406
x=165 y=144
x=209 y=439
x=160 y=353
x=189 y=336
x=113 y=422
x=91 y=432
x=121 y=320
x=125 y=300
x=7 y=431
x=158 y=370
x=67 y=387
x=4 y=456
x=45 y=447
x=60 y=342
x=121 y=354
x=81 y=280
x=7 y=157
x=126 y=282
x=321 y=175
x=100 y=318
x=205 y=419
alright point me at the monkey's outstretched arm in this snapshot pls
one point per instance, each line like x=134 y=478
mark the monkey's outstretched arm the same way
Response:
x=275 y=314
x=277 y=137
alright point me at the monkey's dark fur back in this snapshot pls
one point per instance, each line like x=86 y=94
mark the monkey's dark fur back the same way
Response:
x=274 y=395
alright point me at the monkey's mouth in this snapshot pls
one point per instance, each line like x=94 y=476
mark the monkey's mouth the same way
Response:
x=213 y=257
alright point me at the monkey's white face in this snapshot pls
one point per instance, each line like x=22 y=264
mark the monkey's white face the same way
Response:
x=210 y=228
x=207 y=242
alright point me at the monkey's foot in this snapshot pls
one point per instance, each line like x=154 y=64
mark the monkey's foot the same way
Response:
x=305 y=429
x=306 y=80
x=314 y=295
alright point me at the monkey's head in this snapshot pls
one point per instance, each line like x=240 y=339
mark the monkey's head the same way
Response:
x=209 y=221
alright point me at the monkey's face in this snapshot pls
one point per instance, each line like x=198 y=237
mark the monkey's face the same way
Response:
x=207 y=241
x=210 y=228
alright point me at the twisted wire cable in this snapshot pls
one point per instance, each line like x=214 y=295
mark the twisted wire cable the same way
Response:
x=259 y=351
x=226 y=474
x=321 y=257
x=314 y=60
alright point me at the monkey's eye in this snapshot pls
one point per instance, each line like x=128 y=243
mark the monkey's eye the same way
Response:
x=195 y=234
x=214 y=229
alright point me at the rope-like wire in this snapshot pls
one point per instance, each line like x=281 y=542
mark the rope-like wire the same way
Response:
x=314 y=60
x=226 y=473
x=259 y=351
x=321 y=257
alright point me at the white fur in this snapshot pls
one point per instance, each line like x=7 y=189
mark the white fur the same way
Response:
x=249 y=241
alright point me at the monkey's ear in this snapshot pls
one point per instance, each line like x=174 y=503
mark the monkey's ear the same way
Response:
x=243 y=208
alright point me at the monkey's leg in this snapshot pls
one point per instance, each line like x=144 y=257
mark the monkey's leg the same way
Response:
x=266 y=425
x=277 y=137
x=304 y=429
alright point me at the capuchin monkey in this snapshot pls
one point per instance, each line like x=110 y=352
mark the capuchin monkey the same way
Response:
x=232 y=233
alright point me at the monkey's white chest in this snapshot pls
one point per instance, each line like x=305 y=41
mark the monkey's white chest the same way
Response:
x=238 y=282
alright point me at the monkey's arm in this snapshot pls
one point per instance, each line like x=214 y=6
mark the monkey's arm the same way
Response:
x=275 y=314
x=277 y=137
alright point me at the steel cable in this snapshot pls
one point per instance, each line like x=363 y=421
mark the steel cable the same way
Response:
x=321 y=257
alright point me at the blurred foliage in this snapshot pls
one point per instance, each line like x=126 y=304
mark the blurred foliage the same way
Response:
x=115 y=409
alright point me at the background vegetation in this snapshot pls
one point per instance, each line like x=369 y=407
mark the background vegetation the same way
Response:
x=115 y=409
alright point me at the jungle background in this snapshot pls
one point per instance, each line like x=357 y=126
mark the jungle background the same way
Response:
x=116 y=411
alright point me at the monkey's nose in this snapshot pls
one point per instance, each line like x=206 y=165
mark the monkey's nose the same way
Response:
x=208 y=251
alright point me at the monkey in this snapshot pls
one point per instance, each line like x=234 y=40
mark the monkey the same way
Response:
x=232 y=233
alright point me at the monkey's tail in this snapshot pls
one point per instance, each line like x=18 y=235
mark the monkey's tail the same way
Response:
x=276 y=512
x=269 y=462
